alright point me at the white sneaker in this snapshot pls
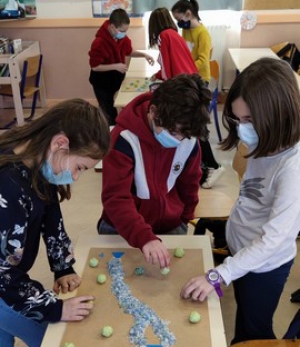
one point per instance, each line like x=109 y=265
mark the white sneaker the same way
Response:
x=212 y=177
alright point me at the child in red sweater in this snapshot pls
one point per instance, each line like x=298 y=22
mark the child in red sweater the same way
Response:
x=107 y=60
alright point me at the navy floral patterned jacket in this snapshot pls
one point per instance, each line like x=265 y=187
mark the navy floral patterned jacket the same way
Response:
x=24 y=218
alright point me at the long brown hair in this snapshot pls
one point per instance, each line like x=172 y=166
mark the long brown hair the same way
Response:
x=160 y=20
x=84 y=125
x=270 y=90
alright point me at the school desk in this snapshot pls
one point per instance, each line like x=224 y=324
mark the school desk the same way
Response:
x=139 y=67
x=159 y=292
x=243 y=57
x=138 y=74
x=15 y=66
x=268 y=343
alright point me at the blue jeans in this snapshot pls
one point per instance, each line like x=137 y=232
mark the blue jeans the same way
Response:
x=257 y=296
x=13 y=324
x=106 y=229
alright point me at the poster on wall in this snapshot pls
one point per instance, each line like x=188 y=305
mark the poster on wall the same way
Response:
x=10 y=9
x=103 y=8
x=30 y=8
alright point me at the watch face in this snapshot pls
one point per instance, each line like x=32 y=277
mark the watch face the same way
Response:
x=213 y=276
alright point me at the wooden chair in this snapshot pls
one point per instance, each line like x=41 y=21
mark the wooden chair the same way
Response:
x=30 y=83
x=213 y=85
x=268 y=343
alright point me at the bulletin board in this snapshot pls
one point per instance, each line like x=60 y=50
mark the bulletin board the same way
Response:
x=159 y=292
x=29 y=5
x=270 y=4
x=103 y=8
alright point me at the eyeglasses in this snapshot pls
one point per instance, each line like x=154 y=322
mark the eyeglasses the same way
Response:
x=233 y=121
x=236 y=121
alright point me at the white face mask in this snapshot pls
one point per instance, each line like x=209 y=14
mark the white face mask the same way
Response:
x=247 y=134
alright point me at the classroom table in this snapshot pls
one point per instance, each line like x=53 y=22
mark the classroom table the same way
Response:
x=213 y=204
x=243 y=57
x=138 y=69
x=55 y=332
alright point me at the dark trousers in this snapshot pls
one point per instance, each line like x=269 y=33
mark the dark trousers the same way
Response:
x=257 y=296
x=208 y=159
x=106 y=102
x=105 y=85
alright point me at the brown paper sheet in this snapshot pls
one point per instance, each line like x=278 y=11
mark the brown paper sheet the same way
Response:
x=159 y=292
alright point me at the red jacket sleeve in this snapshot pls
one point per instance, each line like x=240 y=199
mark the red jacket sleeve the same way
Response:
x=118 y=202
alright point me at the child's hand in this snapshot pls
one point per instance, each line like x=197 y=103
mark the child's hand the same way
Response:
x=153 y=78
x=149 y=59
x=121 y=67
x=156 y=253
x=66 y=283
x=77 y=308
x=196 y=288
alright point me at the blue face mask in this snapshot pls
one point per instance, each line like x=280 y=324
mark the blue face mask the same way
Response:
x=120 y=35
x=166 y=139
x=247 y=134
x=182 y=24
x=63 y=178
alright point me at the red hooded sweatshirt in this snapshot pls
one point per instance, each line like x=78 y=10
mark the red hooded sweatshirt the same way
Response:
x=147 y=189
x=175 y=57
x=106 y=50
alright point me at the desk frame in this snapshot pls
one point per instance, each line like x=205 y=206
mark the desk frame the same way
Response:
x=15 y=63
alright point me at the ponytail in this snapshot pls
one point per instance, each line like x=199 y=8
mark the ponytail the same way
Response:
x=182 y=6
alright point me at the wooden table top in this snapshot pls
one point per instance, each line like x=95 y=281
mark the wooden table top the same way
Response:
x=55 y=332
x=268 y=343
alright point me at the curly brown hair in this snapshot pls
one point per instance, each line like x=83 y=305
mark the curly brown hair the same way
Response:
x=183 y=101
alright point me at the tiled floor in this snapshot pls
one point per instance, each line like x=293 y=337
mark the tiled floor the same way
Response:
x=81 y=214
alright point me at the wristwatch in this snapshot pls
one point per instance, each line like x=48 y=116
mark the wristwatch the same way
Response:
x=214 y=278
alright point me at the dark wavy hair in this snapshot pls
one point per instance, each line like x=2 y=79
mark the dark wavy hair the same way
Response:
x=270 y=90
x=183 y=101
x=82 y=123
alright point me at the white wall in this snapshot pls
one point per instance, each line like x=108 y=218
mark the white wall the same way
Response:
x=64 y=9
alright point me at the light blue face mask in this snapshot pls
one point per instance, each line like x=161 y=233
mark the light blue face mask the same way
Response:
x=63 y=178
x=166 y=139
x=247 y=134
x=120 y=35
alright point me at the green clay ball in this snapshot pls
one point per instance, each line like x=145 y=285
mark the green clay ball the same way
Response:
x=101 y=279
x=178 y=252
x=107 y=331
x=94 y=262
x=139 y=271
x=69 y=344
x=194 y=317
x=165 y=271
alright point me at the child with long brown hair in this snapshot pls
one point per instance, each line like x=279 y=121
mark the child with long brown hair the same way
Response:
x=38 y=162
